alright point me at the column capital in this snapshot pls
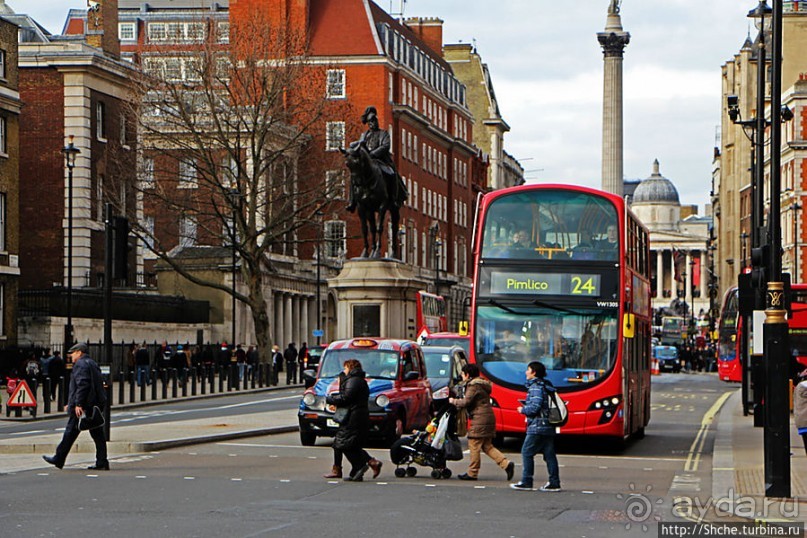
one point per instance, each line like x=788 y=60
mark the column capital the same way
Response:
x=613 y=44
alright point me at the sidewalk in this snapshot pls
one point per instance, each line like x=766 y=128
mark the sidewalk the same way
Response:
x=24 y=452
x=738 y=468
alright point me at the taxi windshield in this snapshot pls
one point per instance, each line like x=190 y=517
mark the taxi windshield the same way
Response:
x=379 y=364
x=577 y=347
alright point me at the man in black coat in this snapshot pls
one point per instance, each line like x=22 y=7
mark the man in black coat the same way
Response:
x=86 y=392
x=291 y=364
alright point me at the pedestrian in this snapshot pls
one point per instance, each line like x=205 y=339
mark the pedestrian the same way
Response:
x=302 y=359
x=277 y=363
x=44 y=363
x=142 y=365
x=540 y=434
x=86 y=392
x=290 y=356
x=800 y=407
x=32 y=372
x=336 y=469
x=355 y=424
x=224 y=356
x=56 y=373
x=241 y=360
x=180 y=362
x=483 y=423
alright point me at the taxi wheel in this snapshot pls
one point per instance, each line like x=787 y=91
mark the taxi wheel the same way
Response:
x=307 y=438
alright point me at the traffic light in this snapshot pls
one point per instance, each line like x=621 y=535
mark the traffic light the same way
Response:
x=120 y=252
x=759 y=261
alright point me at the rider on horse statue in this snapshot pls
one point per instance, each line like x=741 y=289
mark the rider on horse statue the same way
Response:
x=377 y=142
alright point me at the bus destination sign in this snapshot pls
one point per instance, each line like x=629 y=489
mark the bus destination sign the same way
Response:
x=573 y=284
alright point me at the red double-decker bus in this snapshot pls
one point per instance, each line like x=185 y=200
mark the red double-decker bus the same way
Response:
x=562 y=276
x=731 y=333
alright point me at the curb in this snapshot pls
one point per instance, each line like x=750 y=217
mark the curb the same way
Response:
x=153 y=446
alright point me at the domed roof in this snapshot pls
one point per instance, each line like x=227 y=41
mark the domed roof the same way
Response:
x=656 y=189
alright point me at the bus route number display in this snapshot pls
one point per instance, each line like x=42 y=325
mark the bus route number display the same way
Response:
x=577 y=285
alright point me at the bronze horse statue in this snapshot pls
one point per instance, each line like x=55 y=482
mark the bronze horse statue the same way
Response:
x=378 y=193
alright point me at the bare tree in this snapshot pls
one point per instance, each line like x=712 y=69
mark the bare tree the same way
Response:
x=231 y=136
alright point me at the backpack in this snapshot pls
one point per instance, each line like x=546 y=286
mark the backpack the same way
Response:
x=557 y=414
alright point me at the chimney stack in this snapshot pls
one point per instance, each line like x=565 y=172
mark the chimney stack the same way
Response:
x=102 y=26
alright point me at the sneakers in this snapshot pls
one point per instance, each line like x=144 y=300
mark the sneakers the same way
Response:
x=550 y=488
x=510 y=469
x=522 y=487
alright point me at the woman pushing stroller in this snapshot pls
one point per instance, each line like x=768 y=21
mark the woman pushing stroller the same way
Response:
x=483 y=423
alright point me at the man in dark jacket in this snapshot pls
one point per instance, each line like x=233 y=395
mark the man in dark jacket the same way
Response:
x=86 y=392
x=540 y=434
x=353 y=396
x=290 y=355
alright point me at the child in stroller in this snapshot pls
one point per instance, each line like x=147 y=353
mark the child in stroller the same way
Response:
x=432 y=447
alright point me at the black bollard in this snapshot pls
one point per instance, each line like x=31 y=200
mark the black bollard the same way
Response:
x=193 y=382
x=164 y=376
x=153 y=385
x=221 y=378
x=184 y=382
x=120 y=387
x=143 y=387
x=46 y=394
x=131 y=387
x=203 y=380
x=174 y=380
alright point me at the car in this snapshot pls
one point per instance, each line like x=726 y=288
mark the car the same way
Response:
x=400 y=392
x=668 y=359
x=443 y=367
x=448 y=339
x=314 y=355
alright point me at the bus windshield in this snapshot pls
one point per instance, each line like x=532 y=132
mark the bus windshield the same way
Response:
x=577 y=347
x=552 y=225
x=375 y=363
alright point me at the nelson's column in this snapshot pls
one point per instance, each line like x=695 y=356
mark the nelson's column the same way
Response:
x=613 y=41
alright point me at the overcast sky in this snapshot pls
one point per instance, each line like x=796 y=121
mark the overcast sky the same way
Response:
x=547 y=70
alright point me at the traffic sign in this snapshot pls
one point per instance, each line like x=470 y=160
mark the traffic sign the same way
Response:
x=318 y=333
x=22 y=396
x=423 y=334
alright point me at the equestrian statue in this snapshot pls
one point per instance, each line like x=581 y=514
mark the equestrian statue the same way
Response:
x=375 y=186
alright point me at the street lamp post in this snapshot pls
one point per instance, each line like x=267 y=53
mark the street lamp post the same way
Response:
x=777 y=355
x=743 y=239
x=319 y=248
x=235 y=197
x=70 y=152
x=795 y=207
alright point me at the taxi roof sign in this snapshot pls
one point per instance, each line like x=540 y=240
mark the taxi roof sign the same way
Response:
x=22 y=396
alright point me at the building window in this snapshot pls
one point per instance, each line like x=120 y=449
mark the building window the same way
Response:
x=3 y=136
x=3 y=221
x=148 y=236
x=100 y=121
x=223 y=32
x=335 y=238
x=187 y=232
x=126 y=31
x=147 y=179
x=2 y=63
x=228 y=172
x=157 y=31
x=336 y=84
x=99 y=198
x=335 y=185
x=187 y=174
x=334 y=135
x=123 y=141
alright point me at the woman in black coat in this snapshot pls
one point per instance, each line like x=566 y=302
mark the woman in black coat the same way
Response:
x=354 y=426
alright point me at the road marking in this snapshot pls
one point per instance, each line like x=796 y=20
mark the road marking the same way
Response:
x=236 y=479
x=620 y=458
x=92 y=476
x=141 y=476
x=696 y=449
x=285 y=480
x=189 y=478
x=586 y=492
x=42 y=474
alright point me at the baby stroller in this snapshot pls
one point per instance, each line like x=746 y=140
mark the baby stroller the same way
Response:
x=432 y=447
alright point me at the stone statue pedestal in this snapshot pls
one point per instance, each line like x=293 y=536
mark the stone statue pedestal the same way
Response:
x=376 y=298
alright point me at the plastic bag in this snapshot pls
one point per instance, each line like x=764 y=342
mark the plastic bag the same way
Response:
x=440 y=434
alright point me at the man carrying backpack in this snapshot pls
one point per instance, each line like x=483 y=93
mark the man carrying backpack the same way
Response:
x=540 y=433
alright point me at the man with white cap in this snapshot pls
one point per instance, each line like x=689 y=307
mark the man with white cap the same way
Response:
x=86 y=392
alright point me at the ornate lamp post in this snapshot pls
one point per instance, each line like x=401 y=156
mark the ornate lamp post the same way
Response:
x=235 y=198
x=70 y=152
x=795 y=207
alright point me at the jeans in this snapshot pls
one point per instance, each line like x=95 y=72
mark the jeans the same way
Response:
x=533 y=444
x=142 y=375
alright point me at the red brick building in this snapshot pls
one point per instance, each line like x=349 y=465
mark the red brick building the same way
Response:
x=72 y=87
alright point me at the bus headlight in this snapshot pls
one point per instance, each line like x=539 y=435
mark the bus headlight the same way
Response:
x=608 y=404
x=382 y=400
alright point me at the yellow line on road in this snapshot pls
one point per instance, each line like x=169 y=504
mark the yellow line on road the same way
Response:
x=696 y=449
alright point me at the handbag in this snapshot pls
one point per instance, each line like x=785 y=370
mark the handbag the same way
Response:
x=95 y=419
x=462 y=422
x=452 y=450
x=340 y=415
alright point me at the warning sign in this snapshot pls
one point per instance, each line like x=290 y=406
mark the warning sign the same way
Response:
x=22 y=396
